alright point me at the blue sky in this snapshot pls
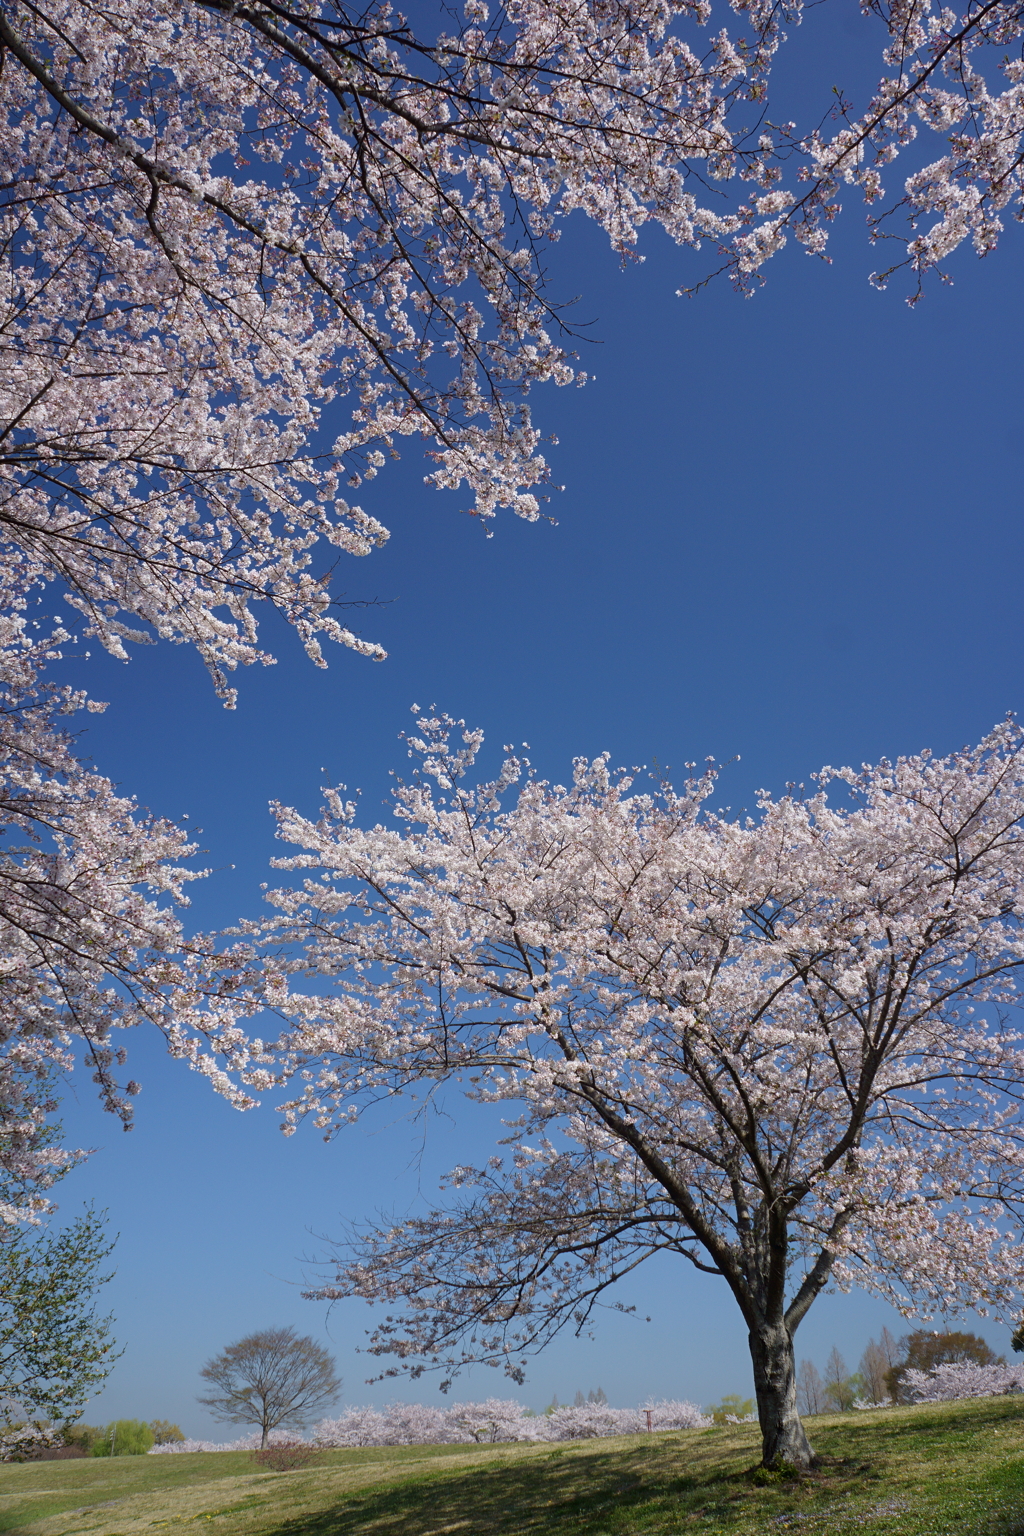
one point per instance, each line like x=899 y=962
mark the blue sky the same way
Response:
x=791 y=533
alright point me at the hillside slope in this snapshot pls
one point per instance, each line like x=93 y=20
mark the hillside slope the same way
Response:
x=935 y=1470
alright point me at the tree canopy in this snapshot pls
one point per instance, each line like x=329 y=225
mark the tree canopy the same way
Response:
x=222 y=219
x=779 y=1047
x=54 y=1348
x=89 y=939
x=223 y=225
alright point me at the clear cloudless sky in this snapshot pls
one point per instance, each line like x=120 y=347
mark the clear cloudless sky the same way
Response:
x=790 y=534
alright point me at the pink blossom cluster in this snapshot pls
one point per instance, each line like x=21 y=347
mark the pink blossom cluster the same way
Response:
x=496 y=1420
x=89 y=940
x=964 y=1379
x=499 y=1420
x=221 y=223
x=22 y=1442
x=589 y=1421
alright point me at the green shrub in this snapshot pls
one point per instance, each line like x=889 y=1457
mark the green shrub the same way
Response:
x=125 y=1437
x=781 y=1471
x=165 y=1433
x=82 y=1436
x=732 y=1406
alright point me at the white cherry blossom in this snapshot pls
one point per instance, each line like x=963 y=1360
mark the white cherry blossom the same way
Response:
x=964 y=1379
x=90 y=941
x=781 y=1048
x=248 y=251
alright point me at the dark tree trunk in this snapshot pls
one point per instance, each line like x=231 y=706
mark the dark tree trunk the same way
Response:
x=782 y=1434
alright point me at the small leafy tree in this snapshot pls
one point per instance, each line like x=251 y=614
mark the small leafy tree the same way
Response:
x=841 y=1388
x=732 y=1406
x=165 y=1433
x=124 y=1437
x=54 y=1350
x=1017 y=1339
x=271 y=1378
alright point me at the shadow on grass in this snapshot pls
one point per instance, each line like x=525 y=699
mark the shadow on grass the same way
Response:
x=646 y=1489
x=934 y=1473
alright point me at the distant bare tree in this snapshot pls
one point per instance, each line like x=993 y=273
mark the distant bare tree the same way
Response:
x=875 y=1366
x=270 y=1379
x=840 y=1386
x=810 y=1389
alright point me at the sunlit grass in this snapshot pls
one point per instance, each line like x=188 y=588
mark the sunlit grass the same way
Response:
x=954 y=1470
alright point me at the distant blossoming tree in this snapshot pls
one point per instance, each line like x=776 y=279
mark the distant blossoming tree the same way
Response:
x=781 y=1048
x=499 y=1419
x=487 y=1422
x=923 y=1350
x=496 y=1420
x=963 y=1378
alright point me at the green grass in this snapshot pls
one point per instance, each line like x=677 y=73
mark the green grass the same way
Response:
x=950 y=1470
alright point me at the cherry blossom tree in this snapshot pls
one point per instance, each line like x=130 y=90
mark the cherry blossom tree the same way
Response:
x=497 y=1419
x=224 y=222
x=220 y=220
x=780 y=1048
x=964 y=1378
x=500 y=1419
x=90 y=941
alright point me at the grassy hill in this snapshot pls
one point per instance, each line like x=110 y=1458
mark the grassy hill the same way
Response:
x=950 y=1470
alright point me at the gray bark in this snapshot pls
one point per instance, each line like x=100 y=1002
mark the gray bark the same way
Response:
x=782 y=1433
